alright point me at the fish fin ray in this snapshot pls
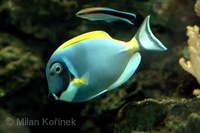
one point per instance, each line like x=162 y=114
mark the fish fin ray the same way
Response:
x=145 y=39
x=84 y=80
x=97 y=95
x=92 y=34
x=128 y=72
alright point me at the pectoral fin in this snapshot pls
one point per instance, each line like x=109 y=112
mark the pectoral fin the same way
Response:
x=84 y=80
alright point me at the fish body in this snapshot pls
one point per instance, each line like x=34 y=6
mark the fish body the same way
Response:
x=106 y=14
x=94 y=63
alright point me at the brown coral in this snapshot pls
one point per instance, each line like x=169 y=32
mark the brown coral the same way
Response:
x=192 y=65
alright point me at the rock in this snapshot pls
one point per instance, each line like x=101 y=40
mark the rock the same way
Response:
x=150 y=116
x=139 y=116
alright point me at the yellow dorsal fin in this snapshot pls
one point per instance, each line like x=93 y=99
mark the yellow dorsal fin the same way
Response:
x=84 y=80
x=93 y=34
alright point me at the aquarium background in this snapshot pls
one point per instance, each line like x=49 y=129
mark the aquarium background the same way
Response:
x=160 y=97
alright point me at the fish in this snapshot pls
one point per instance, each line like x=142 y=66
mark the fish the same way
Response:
x=94 y=63
x=106 y=14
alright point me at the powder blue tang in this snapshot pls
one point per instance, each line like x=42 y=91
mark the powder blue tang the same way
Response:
x=94 y=63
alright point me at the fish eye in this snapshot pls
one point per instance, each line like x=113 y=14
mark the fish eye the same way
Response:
x=56 y=68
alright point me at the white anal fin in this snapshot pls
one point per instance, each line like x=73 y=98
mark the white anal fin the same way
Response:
x=128 y=72
x=97 y=94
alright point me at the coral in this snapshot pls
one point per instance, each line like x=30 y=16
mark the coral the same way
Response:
x=197 y=8
x=196 y=92
x=192 y=65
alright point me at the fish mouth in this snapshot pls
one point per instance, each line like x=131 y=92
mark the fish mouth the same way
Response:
x=53 y=96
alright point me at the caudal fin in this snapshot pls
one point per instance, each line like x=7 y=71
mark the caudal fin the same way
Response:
x=145 y=38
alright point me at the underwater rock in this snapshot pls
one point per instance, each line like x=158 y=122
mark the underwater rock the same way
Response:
x=90 y=127
x=49 y=20
x=18 y=67
x=139 y=116
x=192 y=125
x=174 y=13
x=168 y=115
x=21 y=78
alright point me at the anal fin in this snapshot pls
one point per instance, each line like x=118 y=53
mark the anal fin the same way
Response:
x=128 y=72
